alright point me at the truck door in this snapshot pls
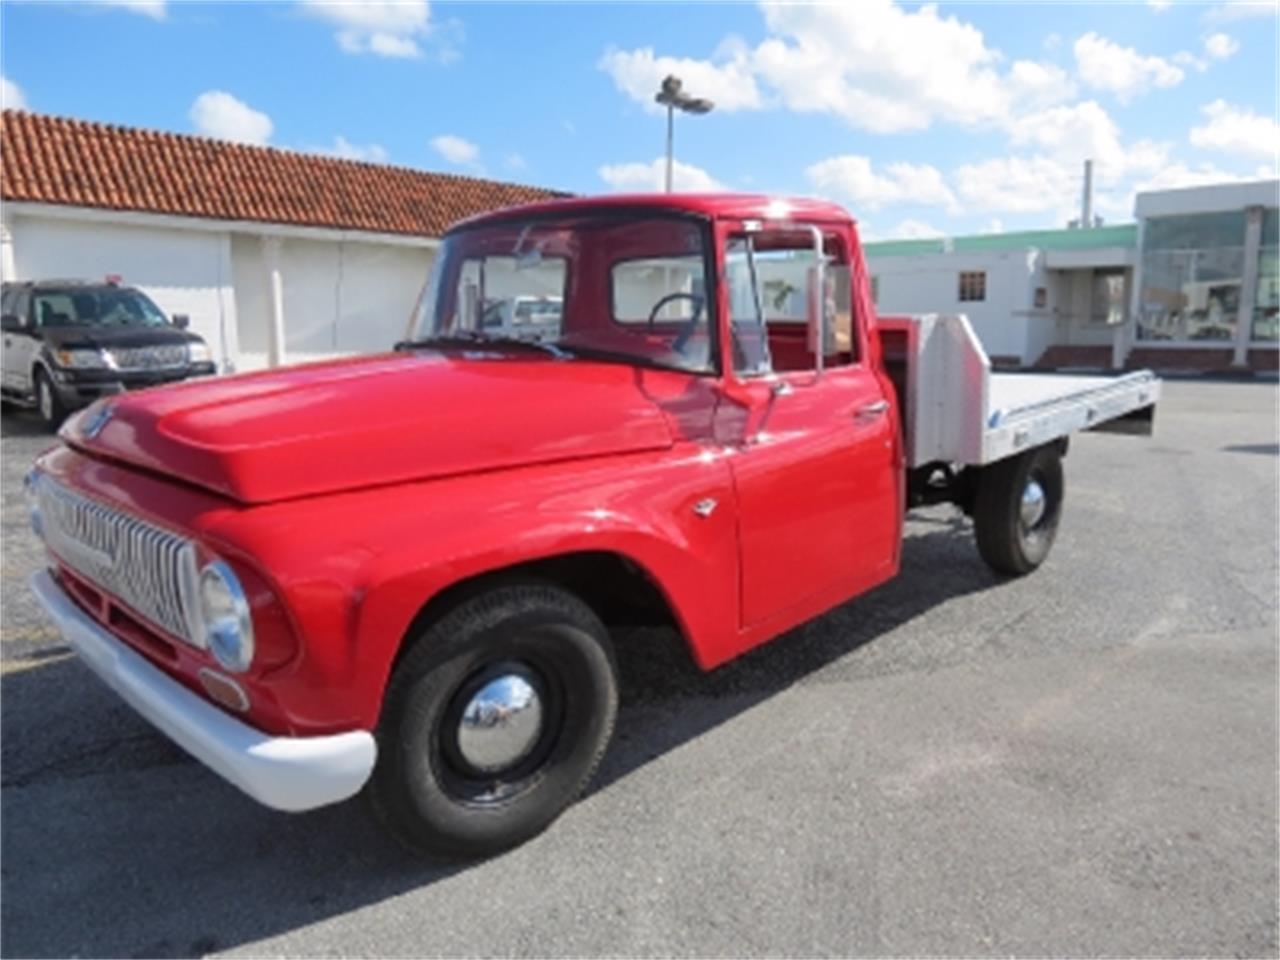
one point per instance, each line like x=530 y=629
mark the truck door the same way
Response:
x=815 y=454
x=20 y=344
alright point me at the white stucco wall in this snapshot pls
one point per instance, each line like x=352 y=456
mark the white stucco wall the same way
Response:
x=344 y=293
x=340 y=296
x=930 y=283
x=183 y=271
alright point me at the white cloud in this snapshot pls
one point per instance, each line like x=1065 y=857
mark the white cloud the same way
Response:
x=852 y=178
x=876 y=65
x=728 y=83
x=1229 y=12
x=515 y=161
x=384 y=28
x=915 y=230
x=456 y=150
x=155 y=9
x=11 y=96
x=1085 y=131
x=346 y=150
x=218 y=114
x=1237 y=130
x=648 y=177
x=1036 y=184
x=1159 y=6
x=1105 y=65
x=880 y=67
x=1221 y=46
x=1040 y=84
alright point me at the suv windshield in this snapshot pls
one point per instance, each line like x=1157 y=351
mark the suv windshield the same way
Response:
x=90 y=307
x=630 y=289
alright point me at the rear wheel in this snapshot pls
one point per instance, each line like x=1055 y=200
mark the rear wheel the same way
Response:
x=1016 y=513
x=48 y=405
x=494 y=722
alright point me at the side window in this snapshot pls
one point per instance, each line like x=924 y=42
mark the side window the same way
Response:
x=769 y=281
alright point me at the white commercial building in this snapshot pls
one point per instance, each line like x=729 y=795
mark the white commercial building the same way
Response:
x=275 y=256
x=1192 y=285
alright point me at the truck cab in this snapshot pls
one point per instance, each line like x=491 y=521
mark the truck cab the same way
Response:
x=398 y=573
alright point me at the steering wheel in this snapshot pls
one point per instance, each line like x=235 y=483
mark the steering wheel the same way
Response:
x=691 y=324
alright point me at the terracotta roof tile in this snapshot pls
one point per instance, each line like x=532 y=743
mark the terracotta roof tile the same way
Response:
x=79 y=163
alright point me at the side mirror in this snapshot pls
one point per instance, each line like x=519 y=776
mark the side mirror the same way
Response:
x=181 y=321
x=11 y=323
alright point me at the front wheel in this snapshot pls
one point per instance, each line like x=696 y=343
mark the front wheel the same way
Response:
x=1016 y=513
x=48 y=404
x=494 y=721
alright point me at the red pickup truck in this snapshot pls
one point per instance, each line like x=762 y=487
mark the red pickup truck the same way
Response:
x=399 y=572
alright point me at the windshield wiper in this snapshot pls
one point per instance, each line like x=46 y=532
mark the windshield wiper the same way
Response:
x=472 y=338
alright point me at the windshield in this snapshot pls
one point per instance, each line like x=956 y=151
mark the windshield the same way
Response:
x=630 y=289
x=107 y=307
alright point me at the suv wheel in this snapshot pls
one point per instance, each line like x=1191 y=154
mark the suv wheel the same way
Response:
x=494 y=721
x=48 y=404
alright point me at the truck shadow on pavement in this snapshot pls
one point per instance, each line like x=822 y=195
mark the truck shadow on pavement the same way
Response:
x=115 y=843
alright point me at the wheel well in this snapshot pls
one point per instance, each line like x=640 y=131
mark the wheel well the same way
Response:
x=620 y=591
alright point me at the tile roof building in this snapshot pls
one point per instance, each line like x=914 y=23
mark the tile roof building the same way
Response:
x=210 y=228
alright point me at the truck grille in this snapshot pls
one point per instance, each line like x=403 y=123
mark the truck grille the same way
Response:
x=150 y=358
x=147 y=568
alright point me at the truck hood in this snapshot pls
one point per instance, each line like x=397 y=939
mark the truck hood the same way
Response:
x=323 y=428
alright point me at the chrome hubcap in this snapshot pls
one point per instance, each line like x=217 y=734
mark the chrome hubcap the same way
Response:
x=46 y=400
x=1032 y=504
x=500 y=724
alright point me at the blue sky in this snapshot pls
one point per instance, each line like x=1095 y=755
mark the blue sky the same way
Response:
x=922 y=119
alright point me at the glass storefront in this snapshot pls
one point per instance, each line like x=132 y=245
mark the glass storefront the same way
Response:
x=1192 y=268
x=1266 y=309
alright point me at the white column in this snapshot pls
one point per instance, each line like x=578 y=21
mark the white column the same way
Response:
x=1127 y=333
x=7 y=269
x=1248 y=285
x=275 y=327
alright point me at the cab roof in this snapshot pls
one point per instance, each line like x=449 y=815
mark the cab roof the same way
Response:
x=733 y=206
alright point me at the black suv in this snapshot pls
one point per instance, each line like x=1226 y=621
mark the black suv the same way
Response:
x=68 y=342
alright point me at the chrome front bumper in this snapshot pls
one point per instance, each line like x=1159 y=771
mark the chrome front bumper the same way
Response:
x=286 y=773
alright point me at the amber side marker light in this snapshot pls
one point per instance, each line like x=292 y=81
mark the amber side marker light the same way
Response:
x=222 y=689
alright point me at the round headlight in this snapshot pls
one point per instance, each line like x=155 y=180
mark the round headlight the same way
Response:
x=30 y=488
x=224 y=612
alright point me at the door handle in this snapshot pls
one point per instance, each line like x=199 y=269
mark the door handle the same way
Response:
x=868 y=410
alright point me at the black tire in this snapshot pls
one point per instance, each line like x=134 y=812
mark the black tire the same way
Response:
x=49 y=405
x=1006 y=541
x=423 y=789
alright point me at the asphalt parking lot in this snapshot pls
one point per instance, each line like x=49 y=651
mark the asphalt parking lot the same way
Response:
x=1080 y=762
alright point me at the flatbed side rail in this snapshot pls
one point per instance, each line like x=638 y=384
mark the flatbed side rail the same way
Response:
x=1012 y=431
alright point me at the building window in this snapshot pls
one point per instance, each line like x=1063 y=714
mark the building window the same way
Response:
x=1191 y=274
x=973 y=286
x=875 y=289
x=1108 y=297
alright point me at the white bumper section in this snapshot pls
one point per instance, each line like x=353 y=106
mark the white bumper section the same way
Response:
x=287 y=773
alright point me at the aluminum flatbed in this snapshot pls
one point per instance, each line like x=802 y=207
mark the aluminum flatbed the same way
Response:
x=957 y=411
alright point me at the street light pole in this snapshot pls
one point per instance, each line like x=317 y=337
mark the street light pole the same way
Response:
x=672 y=96
x=671 y=137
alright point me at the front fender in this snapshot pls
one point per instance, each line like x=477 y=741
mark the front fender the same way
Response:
x=361 y=566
